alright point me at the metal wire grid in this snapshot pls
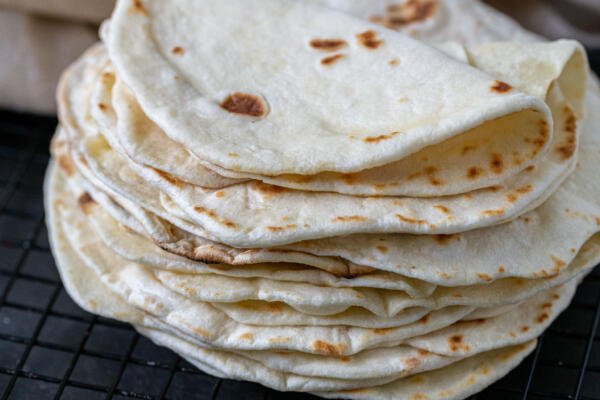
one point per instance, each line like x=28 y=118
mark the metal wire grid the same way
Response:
x=51 y=349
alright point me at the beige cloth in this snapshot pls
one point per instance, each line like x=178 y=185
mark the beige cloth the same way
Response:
x=39 y=38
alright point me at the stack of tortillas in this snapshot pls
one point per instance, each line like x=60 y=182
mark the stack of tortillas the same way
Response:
x=355 y=199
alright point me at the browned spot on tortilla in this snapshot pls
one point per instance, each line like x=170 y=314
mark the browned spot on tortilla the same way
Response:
x=369 y=39
x=455 y=343
x=597 y=219
x=410 y=220
x=512 y=334
x=524 y=328
x=357 y=391
x=423 y=320
x=474 y=172
x=107 y=76
x=530 y=168
x=64 y=162
x=417 y=379
x=376 y=139
x=393 y=62
x=246 y=336
x=281 y=228
x=102 y=106
x=555 y=296
x=484 y=277
x=496 y=163
x=328 y=348
x=85 y=201
x=169 y=178
x=567 y=149
x=573 y=250
x=328 y=44
x=430 y=172
x=177 y=50
x=500 y=87
x=444 y=275
x=274 y=307
x=382 y=249
x=558 y=264
x=220 y=194
x=546 y=305
x=485 y=370
x=269 y=190
x=478 y=321
x=445 y=239
x=332 y=59
x=345 y=359
x=233 y=154
x=244 y=104
x=442 y=208
x=501 y=269
x=211 y=214
x=411 y=11
x=492 y=212
x=350 y=218
x=382 y=331
x=137 y=6
x=542 y=317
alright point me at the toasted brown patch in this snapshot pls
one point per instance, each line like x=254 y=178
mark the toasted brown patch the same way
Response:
x=529 y=168
x=269 y=190
x=430 y=172
x=445 y=239
x=542 y=317
x=169 y=178
x=233 y=154
x=546 y=305
x=455 y=343
x=484 y=277
x=500 y=87
x=524 y=329
x=328 y=44
x=418 y=396
x=496 y=163
x=382 y=249
x=492 y=212
x=211 y=214
x=247 y=336
x=220 y=194
x=474 y=172
x=393 y=62
x=177 y=51
x=467 y=148
x=442 y=208
x=85 y=201
x=369 y=39
x=444 y=275
x=244 y=104
x=137 y=7
x=64 y=162
x=567 y=149
x=382 y=331
x=345 y=359
x=102 y=106
x=379 y=138
x=424 y=319
x=350 y=218
x=332 y=59
x=558 y=264
x=281 y=228
x=501 y=269
x=411 y=11
x=328 y=348
x=410 y=220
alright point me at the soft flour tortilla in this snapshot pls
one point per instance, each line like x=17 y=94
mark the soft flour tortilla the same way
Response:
x=449 y=264
x=93 y=296
x=237 y=214
x=359 y=118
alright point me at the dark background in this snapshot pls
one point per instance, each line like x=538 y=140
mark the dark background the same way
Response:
x=51 y=349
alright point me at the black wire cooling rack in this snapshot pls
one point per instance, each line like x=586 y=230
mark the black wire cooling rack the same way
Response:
x=51 y=349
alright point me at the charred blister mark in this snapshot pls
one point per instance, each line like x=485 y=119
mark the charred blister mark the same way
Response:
x=369 y=40
x=350 y=218
x=137 y=7
x=327 y=61
x=380 y=138
x=500 y=87
x=177 y=51
x=568 y=147
x=409 y=12
x=245 y=104
x=329 y=45
x=85 y=201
